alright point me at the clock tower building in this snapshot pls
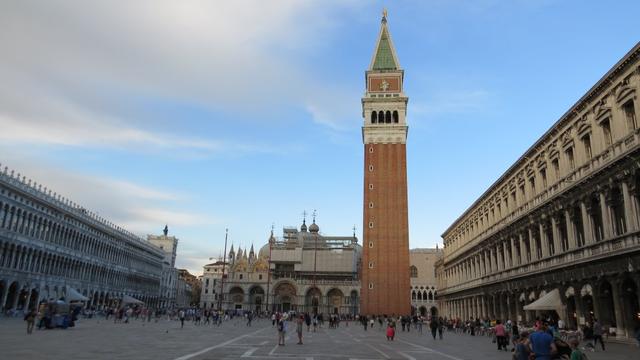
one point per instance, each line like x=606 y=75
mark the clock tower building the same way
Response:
x=385 y=263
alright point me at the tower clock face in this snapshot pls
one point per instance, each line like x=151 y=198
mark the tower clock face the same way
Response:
x=384 y=84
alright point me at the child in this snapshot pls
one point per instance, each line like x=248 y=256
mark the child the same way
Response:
x=576 y=354
x=391 y=332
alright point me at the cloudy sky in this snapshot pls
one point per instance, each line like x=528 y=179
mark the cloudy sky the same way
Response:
x=208 y=115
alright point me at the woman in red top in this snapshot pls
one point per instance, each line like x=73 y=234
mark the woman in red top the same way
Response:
x=501 y=336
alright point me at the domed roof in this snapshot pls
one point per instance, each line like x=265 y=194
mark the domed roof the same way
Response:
x=303 y=228
x=314 y=228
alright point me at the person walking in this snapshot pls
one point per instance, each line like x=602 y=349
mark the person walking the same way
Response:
x=391 y=331
x=30 y=318
x=441 y=327
x=501 y=335
x=181 y=317
x=597 y=334
x=299 y=326
x=434 y=327
x=521 y=348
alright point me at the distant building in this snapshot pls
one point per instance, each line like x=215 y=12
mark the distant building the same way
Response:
x=52 y=248
x=309 y=272
x=211 y=283
x=168 y=288
x=194 y=286
x=424 y=286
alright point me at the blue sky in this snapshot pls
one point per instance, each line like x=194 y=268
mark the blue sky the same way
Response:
x=243 y=114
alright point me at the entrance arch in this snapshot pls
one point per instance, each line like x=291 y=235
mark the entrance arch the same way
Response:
x=236 y=297
x=256 y=297
x=335 y=299
x=11 y=296
x=284 y=297
x=630 y=305
x=312 y=300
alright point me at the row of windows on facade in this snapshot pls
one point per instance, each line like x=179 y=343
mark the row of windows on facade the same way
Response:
x=423 y=295
x=26 y=259
x=543 y=237
x=24 y=222
x=382 y=117
x=525 y=193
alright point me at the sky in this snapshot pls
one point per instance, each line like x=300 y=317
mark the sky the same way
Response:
x=208 y=115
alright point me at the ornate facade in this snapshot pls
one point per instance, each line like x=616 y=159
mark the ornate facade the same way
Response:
x=302 y=271
x=423 y=280
x=562 y=223
x=385 y=276
x=51 y=247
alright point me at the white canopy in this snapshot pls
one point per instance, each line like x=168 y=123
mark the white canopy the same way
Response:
x=126 y=299
x=74 y=295
x=550 y=301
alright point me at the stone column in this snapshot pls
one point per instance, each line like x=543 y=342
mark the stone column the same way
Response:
x=523 y=250
x=606 y=217
x=557 y=241
x=629 y=210
x=534 y=246
x=621 y=330
x=506 y=256
x=514 y=253
x=579 y=306
x=586 y=223
x=571 y=234
x=544 y=242
x=518 y=310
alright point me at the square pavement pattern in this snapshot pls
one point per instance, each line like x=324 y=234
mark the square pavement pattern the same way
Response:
x=165 y=340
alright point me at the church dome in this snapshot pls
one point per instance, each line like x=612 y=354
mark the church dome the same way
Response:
x=314 y=228
x=303 y=228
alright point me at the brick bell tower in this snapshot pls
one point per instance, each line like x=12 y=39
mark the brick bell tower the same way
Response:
x=385 y=263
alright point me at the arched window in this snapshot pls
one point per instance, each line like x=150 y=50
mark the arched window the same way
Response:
x=380 y=117
x=387 y=117
x=395 y=117
x=430 y=296
x=419 y=295
x=374 y=117
x=413 y=295
x=413 y=271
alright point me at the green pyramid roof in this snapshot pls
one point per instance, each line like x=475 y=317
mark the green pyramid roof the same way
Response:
x=384 y=59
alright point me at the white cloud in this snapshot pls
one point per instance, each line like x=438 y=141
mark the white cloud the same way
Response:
x=69 y=67
x=139 y=208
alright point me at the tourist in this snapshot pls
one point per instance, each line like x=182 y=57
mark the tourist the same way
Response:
x=30 y=318
x=181 y=317
x=273 y=320
x=521 y=348
x=391 y=331
x=371 y=322
x=501 y=335
x=515 y=334
x=637 y=332
x=315 y=322
x=542 y=344
x=282 y=330
x=434 y=327
x=576 y=353
x=307 y=320
x=299 y=325
x=440 y=327
x=597 y=334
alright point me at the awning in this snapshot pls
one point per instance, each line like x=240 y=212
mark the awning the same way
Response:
x=126 y=299
x=550 y=301
x=74 y=295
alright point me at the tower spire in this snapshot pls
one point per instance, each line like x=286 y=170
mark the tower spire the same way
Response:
x=384 y=56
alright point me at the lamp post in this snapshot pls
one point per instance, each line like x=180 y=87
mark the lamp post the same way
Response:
x=269 y=268
x=224 y=263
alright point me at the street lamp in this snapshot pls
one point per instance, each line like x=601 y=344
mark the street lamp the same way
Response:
x=224 y=263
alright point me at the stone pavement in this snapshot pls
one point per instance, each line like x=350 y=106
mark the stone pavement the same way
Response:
x=164 y=340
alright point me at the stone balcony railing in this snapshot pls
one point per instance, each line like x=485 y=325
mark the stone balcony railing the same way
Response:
x=616 y=151
x=625 y=243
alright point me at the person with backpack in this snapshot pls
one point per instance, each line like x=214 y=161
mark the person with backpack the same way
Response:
x=282 y=330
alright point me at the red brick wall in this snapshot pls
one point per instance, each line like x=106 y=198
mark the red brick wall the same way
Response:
x=390 y=232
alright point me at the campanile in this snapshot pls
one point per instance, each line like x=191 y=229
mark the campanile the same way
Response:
x=385 y=262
